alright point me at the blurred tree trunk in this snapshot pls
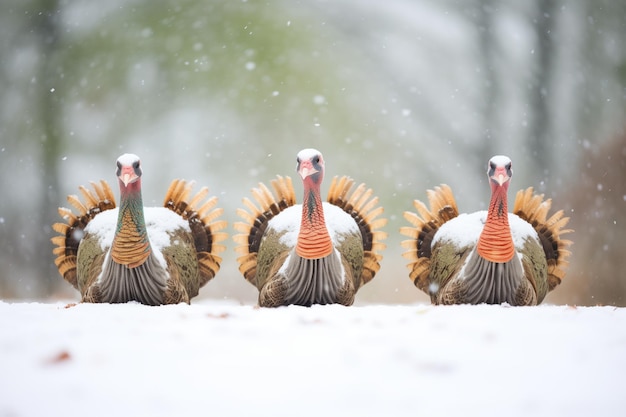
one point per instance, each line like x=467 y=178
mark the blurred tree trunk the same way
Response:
x=487 y=46
x=50 y=111
x=595 y=275
x=542 y=88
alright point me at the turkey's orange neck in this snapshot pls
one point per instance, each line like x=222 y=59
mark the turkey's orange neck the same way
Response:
x=495 y=243
x=313 y=240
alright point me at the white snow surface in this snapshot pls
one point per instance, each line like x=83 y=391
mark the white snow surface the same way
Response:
x=464 y=230
x=224 y=359
x=338 y=222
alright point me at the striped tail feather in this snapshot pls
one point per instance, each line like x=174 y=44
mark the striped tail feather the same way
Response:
x=255 y=219
x=70 y=232
x=204 y=221
x=534 y=209
x=365 y=211
x=424 y=225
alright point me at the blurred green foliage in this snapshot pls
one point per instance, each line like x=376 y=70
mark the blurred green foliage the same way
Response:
x=400 y=95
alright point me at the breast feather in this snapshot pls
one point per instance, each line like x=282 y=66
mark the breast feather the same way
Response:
x=464 y=230
x=287 y=224
x=161 y=224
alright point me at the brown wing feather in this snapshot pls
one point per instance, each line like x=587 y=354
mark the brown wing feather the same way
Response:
x=425 y=224
x=534 y=209
x=204 y=223
x=364 y=209
x=256 y=219
x=70 y=232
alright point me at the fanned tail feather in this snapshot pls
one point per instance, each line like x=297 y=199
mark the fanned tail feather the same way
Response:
x=424 y=225
x=256 y=219
x=534 y=209
x=365 y=211
x=203 y=218
x=70 y=232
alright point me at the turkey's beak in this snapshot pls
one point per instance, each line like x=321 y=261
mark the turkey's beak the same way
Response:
x=127 y=176
x=500 y=177
x=125 y=179
x=306 y=170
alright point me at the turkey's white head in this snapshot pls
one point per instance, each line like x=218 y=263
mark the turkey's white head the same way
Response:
x=128 y=168
x=499 y=171
x=310 y=165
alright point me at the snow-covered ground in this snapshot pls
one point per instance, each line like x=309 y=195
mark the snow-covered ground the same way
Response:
x=219 y=358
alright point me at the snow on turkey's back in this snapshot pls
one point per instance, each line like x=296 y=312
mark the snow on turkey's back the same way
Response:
x=465 y=229
x=160 y=221
x=338 y=222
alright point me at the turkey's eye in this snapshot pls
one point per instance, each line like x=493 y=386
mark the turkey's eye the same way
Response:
x=136 y=165
x=316 y=160
x=508 y=167
x=298 y=159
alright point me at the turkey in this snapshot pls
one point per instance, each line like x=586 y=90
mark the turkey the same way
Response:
x=153 y=255
x=310 y=253
x=488 y=256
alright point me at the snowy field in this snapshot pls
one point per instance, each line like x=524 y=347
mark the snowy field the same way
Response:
x=219 y=359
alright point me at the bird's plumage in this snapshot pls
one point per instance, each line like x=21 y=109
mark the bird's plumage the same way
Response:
x=311 y=253
x=488 y=256
x=154 y=255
